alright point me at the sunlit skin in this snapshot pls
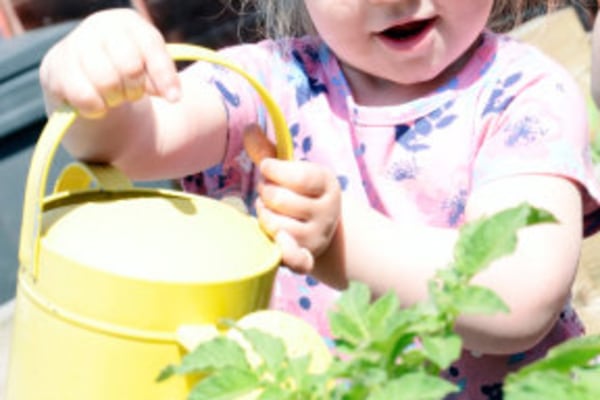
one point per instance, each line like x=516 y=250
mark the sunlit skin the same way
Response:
x=107 y=67
x=384 y=70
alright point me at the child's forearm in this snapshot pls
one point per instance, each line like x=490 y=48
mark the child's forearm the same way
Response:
x=371 y=248
x=106 y=139
x=387 y=256
x=155 y=139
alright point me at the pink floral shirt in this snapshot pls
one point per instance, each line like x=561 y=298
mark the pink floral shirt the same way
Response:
x=509 y=111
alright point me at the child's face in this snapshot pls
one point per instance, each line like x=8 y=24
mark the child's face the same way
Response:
x=403 y=41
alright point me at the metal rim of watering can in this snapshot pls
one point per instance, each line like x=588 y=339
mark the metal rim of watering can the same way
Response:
x=62 y=119
x=93 y=324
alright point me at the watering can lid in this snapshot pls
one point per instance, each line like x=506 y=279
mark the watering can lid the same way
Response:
x=173 y=238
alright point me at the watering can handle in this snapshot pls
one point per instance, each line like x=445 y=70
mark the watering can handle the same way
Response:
x=80 y=176
x=62 y=119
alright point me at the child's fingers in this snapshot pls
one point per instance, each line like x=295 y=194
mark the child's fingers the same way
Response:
x=127 y=59
x=83 y=96
x=285 y=201
x=161 y=72
x=298 y=259
x=257 y=144
x=308 y=179
x=105 y=78
x=78 y=91
x=112 y=57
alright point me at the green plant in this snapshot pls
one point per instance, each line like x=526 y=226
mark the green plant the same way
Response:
x=385 y=352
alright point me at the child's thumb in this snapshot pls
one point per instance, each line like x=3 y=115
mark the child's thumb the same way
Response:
x=299 y=259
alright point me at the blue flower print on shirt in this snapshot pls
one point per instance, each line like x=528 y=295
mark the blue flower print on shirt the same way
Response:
x=516 y=358
x=305 y=303
x=294 y=131
x=409 y=136
x=217 y=173
x=493 y=391
x=402 y=171
x=360 y=150
x=412 y=137
x=499 y=100
x=313 y=54
x=306 y=92
x=450 y=85
x=308 y=87
x=525 y=131
x=305 y=145
x=229 y=96
x=456 y=207
x=310 y=281
x=343 y=181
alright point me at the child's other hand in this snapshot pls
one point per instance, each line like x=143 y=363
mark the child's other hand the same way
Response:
x=299 y=204
x=112 y=57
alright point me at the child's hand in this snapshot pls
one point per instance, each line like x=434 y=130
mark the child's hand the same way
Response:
x=112 y=57
x=299 y=204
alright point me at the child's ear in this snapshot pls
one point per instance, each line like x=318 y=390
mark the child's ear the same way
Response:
x=257 y=145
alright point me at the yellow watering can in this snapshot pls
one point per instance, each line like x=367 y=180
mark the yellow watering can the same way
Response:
x=112 y=276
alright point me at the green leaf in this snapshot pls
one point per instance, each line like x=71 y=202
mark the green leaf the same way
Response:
x=218 y=353
x=485 y=240
x=224 y=384
x=442 y=350
x=414 y=386
x=398 y=344
x=589 y=380
x=413 y=359
x=270 y=348
x=166 y=373
x=346 y=330
x=297 y=369
x=273 y=393
x=349 y=321
x=415 y=314
x=576 y=352
x=474 y=299
x=381 y=312
x=547 y=385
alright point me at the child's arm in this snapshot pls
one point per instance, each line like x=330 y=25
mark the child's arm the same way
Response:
x=535 y=281
x=139 y=114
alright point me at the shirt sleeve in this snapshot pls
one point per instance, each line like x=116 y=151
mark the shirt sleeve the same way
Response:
x=538 y=125
x=235 y=175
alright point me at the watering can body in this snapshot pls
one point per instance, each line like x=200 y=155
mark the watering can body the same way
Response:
x=111 y=275
x=100 y=320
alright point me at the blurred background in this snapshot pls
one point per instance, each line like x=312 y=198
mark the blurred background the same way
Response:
x=213 y=23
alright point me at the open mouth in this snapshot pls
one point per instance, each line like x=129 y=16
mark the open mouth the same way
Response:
x=408 y=31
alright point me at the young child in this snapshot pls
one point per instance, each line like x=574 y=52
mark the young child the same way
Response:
x=409 y=118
